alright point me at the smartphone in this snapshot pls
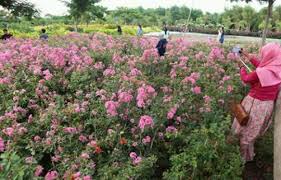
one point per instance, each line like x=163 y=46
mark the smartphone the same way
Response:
x=237 y=50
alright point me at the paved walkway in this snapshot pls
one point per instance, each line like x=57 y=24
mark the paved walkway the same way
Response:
x=200 y=36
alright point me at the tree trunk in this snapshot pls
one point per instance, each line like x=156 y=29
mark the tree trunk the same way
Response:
x=277 y=139
x=190 y=11
x=76 y=26
x=268 y=16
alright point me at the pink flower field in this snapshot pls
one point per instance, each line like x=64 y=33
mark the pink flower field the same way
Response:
x=82 y=107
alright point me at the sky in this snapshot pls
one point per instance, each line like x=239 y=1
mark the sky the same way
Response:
x=56 y=7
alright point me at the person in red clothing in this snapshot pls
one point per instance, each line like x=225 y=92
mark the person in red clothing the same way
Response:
x=264 y=84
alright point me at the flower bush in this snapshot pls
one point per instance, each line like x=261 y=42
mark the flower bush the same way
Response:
x=92 y=107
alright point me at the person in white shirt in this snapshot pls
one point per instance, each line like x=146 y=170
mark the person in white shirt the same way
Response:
x=140 y=31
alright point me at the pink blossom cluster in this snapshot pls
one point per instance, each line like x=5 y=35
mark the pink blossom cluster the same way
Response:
x=125 y=97
x=192 y=78
x=149 y=54
x=216 y=53
x=70 y=130
x=135 y=158
x=145 y=121
x=172 y=112
x=146 y=140
x=111 y=108
x=2 y=145
x=199 y=55
x=145 y=94
x=196 y=90
x=171 y=129
x=109 y=72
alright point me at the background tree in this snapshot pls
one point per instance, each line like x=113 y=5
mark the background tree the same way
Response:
x=80 y=8
x=267 y=19
x=20 y=8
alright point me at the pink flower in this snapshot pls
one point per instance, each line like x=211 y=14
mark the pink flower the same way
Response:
x=99 y=65
x=231 y=56
x=30 y=119
x=145 y=121
x=216 y=53
x=171 y=129
x=111 y=108
x=109 y=72
x=116 y=58
x=207 y=99
x=92 y=144
x=172 y=113
x=178 y=119
x=149 y=54
x=2 y=145
x=85 y=156
x=145 y=93
x=110 y=131
x=47 y=75
x=133 y=155
x=135 y=72
x=52 y=175
x=38 y=170
x=146 y=140
x=226 y=78
x=199 y=55
x=229 y=89
x=8 y=131
x=22 y=130
x=135 y=144
x=195 y=75
x=70 y=130
x=189 y=79
x=76 y=175
x=5 y=80
x=137 y=161
x=56 y=158
x=87 y=178
x=83 y=138
x=196 y=90
x=125 y=97
x=160 y=135
x=29 y=160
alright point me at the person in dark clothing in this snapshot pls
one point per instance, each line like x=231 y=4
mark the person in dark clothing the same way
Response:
x=119 y=30
x=165 y=30
x=44 y=35
x=161 y=47
x=222 y=35
x=6 y=35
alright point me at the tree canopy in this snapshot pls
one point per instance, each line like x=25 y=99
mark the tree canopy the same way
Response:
x=20 y=8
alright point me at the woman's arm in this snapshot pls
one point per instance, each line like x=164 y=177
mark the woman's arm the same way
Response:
x=248 y=78
x=254 y=61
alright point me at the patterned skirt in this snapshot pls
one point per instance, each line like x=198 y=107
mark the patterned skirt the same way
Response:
x=260 y=119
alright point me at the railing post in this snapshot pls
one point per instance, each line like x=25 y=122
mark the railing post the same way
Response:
x=277 y=139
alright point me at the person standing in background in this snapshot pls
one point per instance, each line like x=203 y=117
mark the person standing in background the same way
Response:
x=166 y=32
x=44 y=35
x=140 y=31
x=161 y=47
x=221 y=35
x=6 y=35
x=119 y=30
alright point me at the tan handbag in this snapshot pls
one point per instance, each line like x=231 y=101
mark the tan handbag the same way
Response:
x=240 y=114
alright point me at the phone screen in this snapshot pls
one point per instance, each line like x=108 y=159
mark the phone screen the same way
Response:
x=236 y=50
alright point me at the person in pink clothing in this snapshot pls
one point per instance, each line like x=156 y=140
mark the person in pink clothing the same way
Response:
x=264 y=84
